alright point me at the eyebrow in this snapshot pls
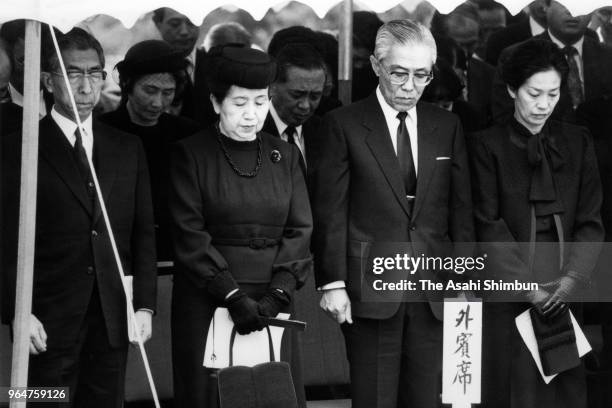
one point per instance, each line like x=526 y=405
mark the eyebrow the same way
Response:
x=394 y=66
x=75 y=68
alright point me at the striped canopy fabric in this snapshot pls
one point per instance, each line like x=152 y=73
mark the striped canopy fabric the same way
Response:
x=64 y=14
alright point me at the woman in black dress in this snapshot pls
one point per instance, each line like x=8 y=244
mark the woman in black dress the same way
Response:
x=241 y=218
x=537 y=199
x=150 y=76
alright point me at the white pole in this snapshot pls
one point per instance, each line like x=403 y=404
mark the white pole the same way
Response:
x=27 y=210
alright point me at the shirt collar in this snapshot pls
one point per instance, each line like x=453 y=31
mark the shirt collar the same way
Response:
x=17 y=99
x=577 y=45
x=280 y=125
x=388 y=111
x=535 y=27
x=68 y=127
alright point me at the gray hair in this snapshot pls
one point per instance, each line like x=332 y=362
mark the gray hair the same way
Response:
x=405 y=32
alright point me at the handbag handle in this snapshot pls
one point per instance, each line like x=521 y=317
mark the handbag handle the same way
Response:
x=231 y=345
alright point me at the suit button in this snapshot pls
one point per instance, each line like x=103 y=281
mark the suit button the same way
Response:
x=90 y=184
x=412 y=227
x=90 y=270
x=94 y=233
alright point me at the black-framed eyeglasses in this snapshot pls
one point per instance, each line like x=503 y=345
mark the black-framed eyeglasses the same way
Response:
x=401 y=77
x=76 y=76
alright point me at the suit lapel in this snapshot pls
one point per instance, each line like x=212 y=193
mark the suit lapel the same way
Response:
x=427 y=147
x=106 y=147
x=56 y=150
x=269 y=126
x=379 y=142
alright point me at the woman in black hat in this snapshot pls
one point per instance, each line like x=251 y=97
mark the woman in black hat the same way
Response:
x=241 y=217
x=150 y=76
x=537 y=201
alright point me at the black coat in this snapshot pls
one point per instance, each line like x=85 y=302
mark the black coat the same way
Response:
x=72 y=245
x=157 y=141
x=501 y=179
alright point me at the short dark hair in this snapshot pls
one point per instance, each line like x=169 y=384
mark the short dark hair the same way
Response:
x=158 y=14
x=529 y=58
x=75 y=39
x=297 y=55
x=11 y=31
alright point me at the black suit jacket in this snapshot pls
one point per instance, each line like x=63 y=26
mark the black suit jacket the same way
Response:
x=596 y=62
x=502 y=39
x=358 y=195
x=196 y=96
x=310 y=130
x=479 y=81
x=73 y=249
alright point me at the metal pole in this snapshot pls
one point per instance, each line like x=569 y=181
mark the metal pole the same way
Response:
x=27 y=212
x=345 y=56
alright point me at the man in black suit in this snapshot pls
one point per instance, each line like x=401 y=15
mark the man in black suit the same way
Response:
x=295 y=96
x=516 y=33
x=79 y=336
x=390 y=169
x=589 y=62
x=178 y=31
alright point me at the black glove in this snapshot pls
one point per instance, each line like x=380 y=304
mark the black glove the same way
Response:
x=273 y=302
x=243 y=311
x=557 y=303
x=538 y=299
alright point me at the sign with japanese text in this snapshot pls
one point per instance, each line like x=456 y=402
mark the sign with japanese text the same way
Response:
x=462 y=353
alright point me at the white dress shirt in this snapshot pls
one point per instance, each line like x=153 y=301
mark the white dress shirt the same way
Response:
x=191 y=60
x=535 y=27
x=281 y=126
x=392 y=124
x=68 y=127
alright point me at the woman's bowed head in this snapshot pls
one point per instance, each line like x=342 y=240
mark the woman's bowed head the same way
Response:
x=238 y=79
x=533 y=75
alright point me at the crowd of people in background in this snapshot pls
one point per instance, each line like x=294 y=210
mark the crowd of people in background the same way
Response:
x=171 y=88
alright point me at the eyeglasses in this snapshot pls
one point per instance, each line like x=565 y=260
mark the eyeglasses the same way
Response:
x=400 y=77
x=75 y=77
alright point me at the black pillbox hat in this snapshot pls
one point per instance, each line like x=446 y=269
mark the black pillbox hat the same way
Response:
x=241 y=66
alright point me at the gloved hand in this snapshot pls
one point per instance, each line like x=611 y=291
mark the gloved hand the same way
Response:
x=538 y=299
x=243 y=311
x=273 y=302
x=557 y=303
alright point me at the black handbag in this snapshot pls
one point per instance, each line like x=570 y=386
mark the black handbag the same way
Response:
x=266 y=385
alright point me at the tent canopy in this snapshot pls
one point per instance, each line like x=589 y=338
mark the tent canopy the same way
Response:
x=64 y=14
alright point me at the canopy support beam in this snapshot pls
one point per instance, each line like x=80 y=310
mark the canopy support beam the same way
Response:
x=345 y=56
x=27 y=213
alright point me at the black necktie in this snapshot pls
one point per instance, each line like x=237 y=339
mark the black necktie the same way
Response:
x=290 y=132
x=80 y=155
x=82 y=163
x=573 y=77
x=404 y=156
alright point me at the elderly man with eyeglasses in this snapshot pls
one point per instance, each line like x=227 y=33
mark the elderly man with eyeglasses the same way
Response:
x=390 y=169
x=78 y=326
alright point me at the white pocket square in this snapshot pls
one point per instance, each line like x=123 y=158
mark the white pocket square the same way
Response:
x=443 y=158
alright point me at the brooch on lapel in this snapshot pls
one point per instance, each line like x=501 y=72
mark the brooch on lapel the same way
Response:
x=275 y=156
